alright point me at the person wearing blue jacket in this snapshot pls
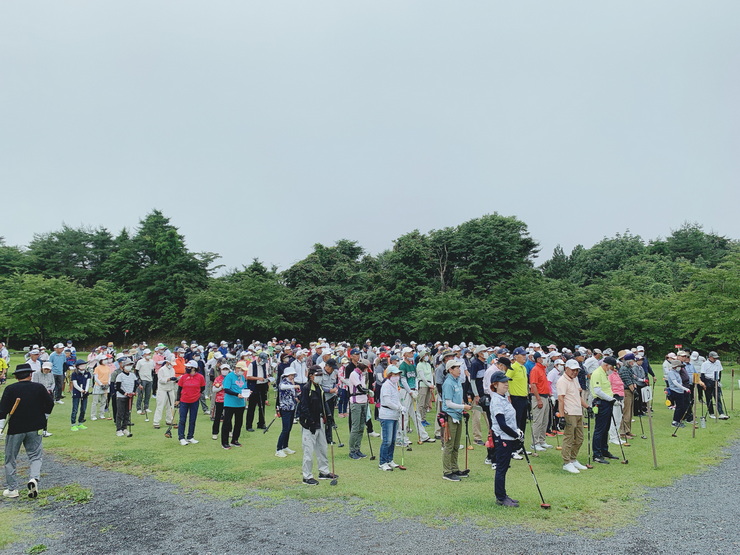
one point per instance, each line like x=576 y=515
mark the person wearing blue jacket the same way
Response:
x=234 y=404
x=453 y=406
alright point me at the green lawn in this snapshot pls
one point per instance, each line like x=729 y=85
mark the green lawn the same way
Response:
x=594 y=500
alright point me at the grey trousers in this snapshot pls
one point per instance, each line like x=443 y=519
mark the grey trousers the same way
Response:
x=314 y=443
x=31 y=441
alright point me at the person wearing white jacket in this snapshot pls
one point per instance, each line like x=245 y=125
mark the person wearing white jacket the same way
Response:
x=389 y=414
x=166 y=393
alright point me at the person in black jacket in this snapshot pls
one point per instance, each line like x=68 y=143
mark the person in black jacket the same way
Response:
x=34 y=403
x=312 y=416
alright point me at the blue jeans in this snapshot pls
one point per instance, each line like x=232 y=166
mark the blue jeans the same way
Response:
x=388 y=444
x=81 y=404
x=287 y=417
x=185 y=408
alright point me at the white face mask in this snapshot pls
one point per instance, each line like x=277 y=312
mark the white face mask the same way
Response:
x=395 y=379
x=224 y=372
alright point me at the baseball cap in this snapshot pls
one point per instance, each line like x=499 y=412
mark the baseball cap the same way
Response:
x=191 y=364
x=572 y=365
x=713 y=354
x=499 y=376
x=47 y=365
x=393 y=369
x=452 y=364
x=519 y=351
x=355 y=352
x=611 y=361
x=629 y=356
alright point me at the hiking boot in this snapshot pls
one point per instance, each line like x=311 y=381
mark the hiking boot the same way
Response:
x=328 y=476
x=33 y=488
x=452 y=477
x=311 y=481
x=570 y=467
x=507 y=502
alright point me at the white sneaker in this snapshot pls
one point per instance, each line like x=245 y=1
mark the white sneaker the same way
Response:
x=94 y=418
x=288 y=451
x=578 y=465
x=570 y=468
x=488 y=461
x=461 y=447
x=139 y=412
x=616 y=442
x=280 y=454
x=385 y=467
x=724 y=417
x=546 y=445
x=214 y=436
x=538 y=448
x=184 y=442
x=119 y=433
x=392 y=464
x=126 y=433
x=374 y=434
x=193 y=441
x=46 y=434
x=712 y=416
x=12 y=493
x=516 y=456
x=148 y=410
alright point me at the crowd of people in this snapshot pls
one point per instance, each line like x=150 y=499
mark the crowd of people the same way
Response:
x=396 y=388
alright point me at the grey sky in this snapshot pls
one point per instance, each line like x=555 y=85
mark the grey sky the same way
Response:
x=261 y=128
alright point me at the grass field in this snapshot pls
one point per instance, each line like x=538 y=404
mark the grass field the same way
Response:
x=592 y=502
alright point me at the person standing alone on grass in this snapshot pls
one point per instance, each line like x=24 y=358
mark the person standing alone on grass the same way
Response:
x=81 y=385
x=453 y=406
x=189 y=388
x=570 y=407
x=34 y=405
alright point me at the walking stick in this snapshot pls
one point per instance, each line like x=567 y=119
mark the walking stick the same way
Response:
x=10 y=414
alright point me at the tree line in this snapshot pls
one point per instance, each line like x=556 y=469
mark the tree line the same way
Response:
x=476 y=281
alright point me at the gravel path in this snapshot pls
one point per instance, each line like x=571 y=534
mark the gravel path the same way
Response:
x=150 y=517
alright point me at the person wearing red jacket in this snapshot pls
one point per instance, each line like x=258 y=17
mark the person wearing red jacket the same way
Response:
x=189 y=387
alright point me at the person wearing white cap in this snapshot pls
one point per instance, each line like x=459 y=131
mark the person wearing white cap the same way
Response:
x=59 y=367
x=166 y=388
x=570 y=408
x=189 y=388
x=126 y=386
x=288 y=401
x=145 y=370
x=711 y=372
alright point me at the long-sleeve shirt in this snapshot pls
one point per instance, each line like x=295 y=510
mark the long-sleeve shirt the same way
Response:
x=45 y=379
x=500 y=406
x=288 y=395
x=452 y=397
x=356 y=380
x=164 y=378
x=390 y=402
x=674 y=381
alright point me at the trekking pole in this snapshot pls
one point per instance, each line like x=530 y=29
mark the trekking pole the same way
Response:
x=543 y=505
x=10 y=414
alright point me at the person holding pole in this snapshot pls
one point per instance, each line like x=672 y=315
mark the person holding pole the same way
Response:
x=24 y=407
x=453 y=406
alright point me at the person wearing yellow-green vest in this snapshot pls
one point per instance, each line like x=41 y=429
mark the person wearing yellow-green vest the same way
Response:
x=518 y=389
x=601 y=391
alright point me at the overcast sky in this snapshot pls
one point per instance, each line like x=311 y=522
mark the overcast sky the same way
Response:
x=263 y=127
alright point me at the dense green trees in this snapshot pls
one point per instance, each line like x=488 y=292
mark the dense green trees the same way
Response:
x=473 y=282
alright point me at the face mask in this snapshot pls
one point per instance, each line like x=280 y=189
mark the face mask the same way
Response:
x=225 y=372
x=425 y=358
x=147 y=357
x=196 y=359
x=395 y=379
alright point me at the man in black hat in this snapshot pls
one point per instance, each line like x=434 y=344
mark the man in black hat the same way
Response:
x=32 y=403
